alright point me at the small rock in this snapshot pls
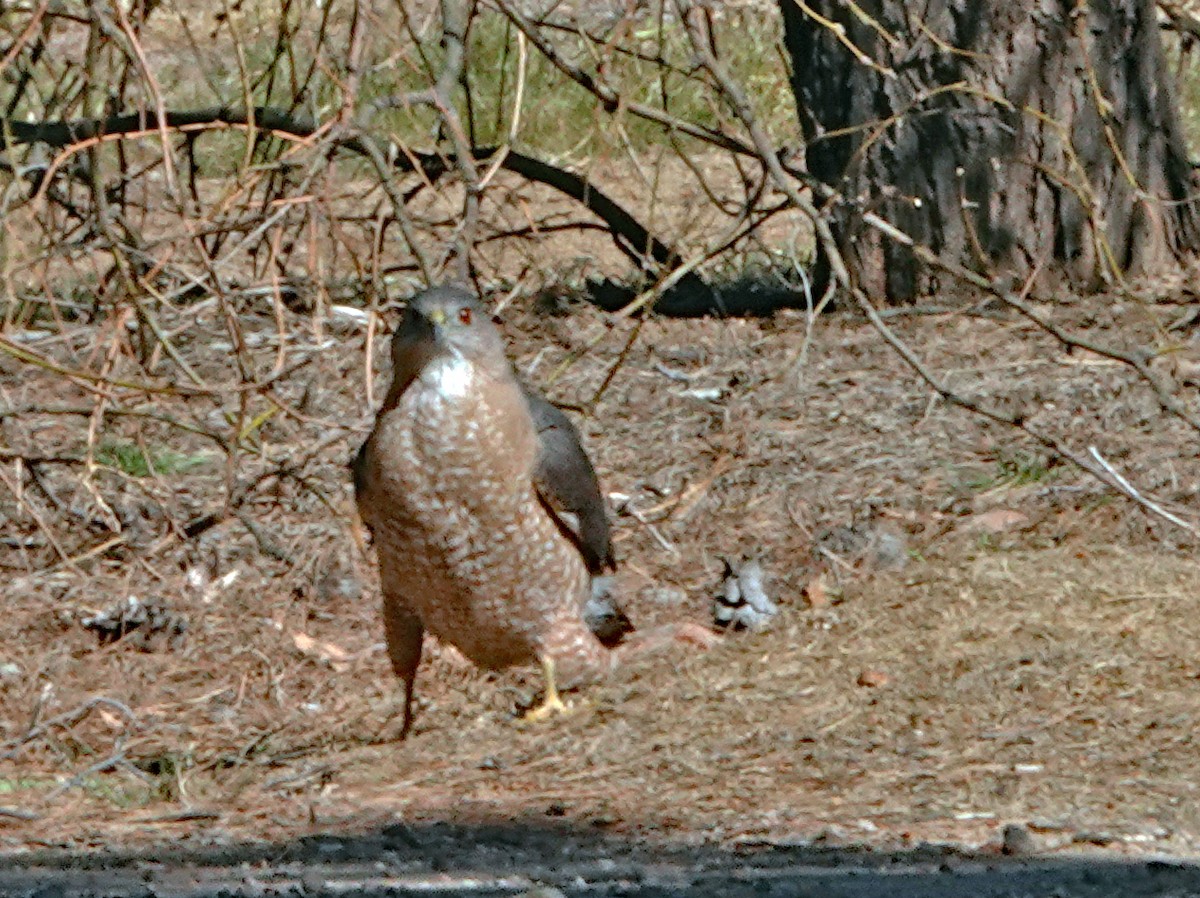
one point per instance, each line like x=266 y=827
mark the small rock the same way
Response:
x=1018 y=841
x=742 y=603
x=873 y=678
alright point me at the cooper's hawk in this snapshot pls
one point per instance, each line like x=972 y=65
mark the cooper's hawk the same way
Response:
x=487 y=517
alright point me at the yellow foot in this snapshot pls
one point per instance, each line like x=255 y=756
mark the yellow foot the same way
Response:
x=550 y=706
x=551 y=703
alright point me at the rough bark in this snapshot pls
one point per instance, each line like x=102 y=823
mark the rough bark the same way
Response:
x=1006 y=136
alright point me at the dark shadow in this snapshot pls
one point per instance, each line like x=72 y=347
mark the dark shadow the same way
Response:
x=514 y=857
x=692 y=297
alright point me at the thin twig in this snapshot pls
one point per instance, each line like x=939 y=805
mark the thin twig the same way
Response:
x=66 y=721
x=1129 y=490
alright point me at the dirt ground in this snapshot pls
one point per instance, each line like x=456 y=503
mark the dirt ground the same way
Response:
x=972 y=634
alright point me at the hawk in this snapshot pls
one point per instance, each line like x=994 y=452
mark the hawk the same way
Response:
x=487 y=517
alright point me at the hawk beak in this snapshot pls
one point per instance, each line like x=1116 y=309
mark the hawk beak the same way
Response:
x=436 y=320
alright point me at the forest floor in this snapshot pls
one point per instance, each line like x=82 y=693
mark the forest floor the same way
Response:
x=972 y=634
x=982 y=680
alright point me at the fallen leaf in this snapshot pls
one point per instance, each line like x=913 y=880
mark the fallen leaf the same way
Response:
x=873 y=678
x=816 y=593
x=998 y=520
x=335 y=656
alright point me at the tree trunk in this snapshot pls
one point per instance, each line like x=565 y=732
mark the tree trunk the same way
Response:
x=1007 y=136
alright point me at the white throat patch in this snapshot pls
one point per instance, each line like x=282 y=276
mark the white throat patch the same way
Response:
x=450 y=376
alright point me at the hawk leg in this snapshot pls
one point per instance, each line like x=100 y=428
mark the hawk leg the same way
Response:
x=404 y=633
x=552 y=703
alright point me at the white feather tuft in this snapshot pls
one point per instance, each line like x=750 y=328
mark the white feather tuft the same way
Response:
x=450 y=376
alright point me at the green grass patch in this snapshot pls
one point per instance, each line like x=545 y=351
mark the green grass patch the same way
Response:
x=8 y=785
x=133 y=460
x=123 y=795
x=1011 y=471
x=650 y=65
x=558 y=116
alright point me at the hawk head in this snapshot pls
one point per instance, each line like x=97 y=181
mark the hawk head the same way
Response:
x=445 y=325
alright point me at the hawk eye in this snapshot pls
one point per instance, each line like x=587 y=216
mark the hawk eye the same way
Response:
x=464 y=315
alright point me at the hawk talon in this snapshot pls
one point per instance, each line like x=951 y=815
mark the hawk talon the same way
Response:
x=552 y=703
x=549 y=707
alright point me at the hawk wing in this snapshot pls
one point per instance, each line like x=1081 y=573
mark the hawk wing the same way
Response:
x=566 y=483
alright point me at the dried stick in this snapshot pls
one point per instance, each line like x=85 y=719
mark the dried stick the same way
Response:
x=65 y=721
x=631 y=237
x=1128 y=489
